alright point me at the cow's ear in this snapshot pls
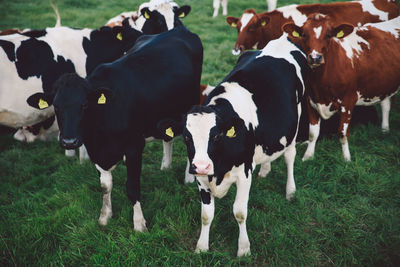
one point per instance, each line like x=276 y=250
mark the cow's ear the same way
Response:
x=232 y=21
x=264 y=19
x=100 y=96
x=292 y=30
x=169 y=128
x=183 y=11
x=232 y=127
x=146 y=13
x=39 y=101
x=342 y=30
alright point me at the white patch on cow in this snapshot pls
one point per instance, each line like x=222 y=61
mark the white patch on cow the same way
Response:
x=167 y=11
x=255 y=46
x=294 y=13
x=324 y=110
x=199 y=126
x=139 y=223
x=359 y=24
x=318 y=31
x=241 y=101
x=352 y=45
x=345 y=126
x=283 y=141
x=312 y=140
x=343 y=109
x=282 y=48
x=368 y=6
x=290 y=155
x=315 y=53
x=167 y=155
x=362 y=101
x=208 y=90
x=106 y=185
x=260 y=157
x=67 y=42
x=345 y=148
x=385 y=106
x=392 y=26
x=246 y=17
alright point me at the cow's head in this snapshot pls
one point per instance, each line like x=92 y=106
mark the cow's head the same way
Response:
x=163 y=17
x=316 y=35
x=249 y=27
x=72 y=97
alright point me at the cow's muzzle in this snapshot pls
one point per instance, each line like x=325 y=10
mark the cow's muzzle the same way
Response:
x=201 y=168
x=70 y=143
x=237 y=50
x=315 y=60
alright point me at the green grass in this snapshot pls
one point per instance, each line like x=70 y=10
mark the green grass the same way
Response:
x=344 y=213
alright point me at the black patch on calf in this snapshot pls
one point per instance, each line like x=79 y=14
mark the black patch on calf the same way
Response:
x=9 y=49
x=205 y=197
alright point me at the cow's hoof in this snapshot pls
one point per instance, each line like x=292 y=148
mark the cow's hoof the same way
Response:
x=385 y=130
x=201 y=248
x=307 y=157
x=104 y=217
x=140 y=226
x=244 y=251
x=165 y=166
x=290 y=196
x=70 y=152
x=189 y=178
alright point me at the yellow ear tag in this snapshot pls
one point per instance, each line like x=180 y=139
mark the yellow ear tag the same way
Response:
x=146 y=15
x=295 y=34
x=101 y=100
x=231 y=132
x=119 y=36
x=233 y=25
x=182 y=15
x=340 y=34
x=42 y=104
x=169 y=132
x=263 y=23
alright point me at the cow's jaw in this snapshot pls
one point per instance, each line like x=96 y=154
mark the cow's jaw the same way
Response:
x=199 y=126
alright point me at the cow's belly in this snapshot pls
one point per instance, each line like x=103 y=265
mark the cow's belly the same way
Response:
x=365 y=101
x=15 y=119
x=323 y=110
x=261 y=157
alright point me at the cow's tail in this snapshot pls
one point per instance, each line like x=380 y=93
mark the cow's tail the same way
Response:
x=58 y=22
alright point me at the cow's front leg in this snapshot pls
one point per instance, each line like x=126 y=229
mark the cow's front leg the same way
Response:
x=134 y=168
x=290 y=155
x=106 y=185
x=167 y=155
x=207 y=215
x=315 y=122
x=240 y=211
x=264 y=169
x=224 y=7
x=189 y=178
x=385 y=106
x=344 y=123
x=216 y=4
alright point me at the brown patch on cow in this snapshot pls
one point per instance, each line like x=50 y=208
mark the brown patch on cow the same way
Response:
x=10 y=31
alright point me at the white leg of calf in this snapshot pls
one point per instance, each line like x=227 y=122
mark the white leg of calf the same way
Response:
x=224 y=7
x=265 y=169
x=313 y=137
x=70 y=152
x=189 y=178
x=106 y=185
x=240 y=212
x=207 y=215
x=271 y=4
x=345 y=148
x=83 y=155
x=290 y=155
x=167 y=155
x=139 y=223
x=385 y=106
x=216 y=4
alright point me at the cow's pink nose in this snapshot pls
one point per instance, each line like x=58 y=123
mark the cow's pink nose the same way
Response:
x=202 y=168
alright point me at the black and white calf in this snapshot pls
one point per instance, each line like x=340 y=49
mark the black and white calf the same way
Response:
x=118 y=105
x=250 y=118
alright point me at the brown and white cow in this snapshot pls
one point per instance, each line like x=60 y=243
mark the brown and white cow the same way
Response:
x=255 y=30
x=351 y=66
x=117 y=20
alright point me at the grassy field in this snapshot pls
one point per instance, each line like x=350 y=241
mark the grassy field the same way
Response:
x=343 y=214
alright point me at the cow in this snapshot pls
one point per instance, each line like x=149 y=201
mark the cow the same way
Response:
x=351 y=66
x=132 y=16
x=224 y=3
x=255 y=30
x=158 y=77
x=250 y=118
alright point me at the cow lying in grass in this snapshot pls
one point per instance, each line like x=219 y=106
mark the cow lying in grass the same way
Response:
x=118 y=105
x=251 y=118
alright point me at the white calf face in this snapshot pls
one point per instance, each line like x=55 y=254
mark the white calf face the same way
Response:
x=199 y=129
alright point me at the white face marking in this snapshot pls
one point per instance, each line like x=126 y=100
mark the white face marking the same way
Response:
x=352 y=45
x=294 y=13
x=199 y=126
x=324 y=110
x=392 y=26
x=315 y=53
x=282 y=48
x=318 y=31
x=241 y=101
x=369 y=7
x=246 y=17
x=169 y=15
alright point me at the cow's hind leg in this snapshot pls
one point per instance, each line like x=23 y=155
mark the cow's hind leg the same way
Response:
x=385 y=106
x=216 y=4
x=345 y=117
x=240 y=211
x=264 y=169
x=224 y=7
x=167 y=155
x=106 y=185
x=290 y=155
x=315 y=123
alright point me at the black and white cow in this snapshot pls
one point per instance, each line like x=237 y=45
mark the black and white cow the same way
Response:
x=118 y=105
x=250 y=118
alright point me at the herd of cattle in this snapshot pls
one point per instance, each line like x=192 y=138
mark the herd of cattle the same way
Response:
x=314 y=61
